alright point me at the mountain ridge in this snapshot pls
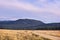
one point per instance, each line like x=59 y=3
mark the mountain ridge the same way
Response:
x=28 y=24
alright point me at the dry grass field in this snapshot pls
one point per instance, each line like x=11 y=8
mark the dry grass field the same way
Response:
x=54 y=33
x=50 y=32
x=26 y=34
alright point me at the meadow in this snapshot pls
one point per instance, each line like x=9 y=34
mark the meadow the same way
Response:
x=25 y=34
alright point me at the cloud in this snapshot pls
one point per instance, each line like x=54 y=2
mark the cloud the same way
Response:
x=2 y=17
x=18 y=5
x=47 y=6
x=7 y=18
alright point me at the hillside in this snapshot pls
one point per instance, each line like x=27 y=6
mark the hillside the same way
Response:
x=28 y=24
x=50 y=26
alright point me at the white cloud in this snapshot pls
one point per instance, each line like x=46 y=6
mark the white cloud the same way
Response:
x=18 y=5
x=7 y=18
x=52 y=8
x=2 y=17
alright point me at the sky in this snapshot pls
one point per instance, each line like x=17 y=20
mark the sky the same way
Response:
x=47 y=11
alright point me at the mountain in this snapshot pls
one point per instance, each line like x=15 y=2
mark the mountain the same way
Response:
x=27 y=24
x=49 y=26
x=20 y=24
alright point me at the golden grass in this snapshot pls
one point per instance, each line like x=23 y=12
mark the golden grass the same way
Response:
x=20 y=35
x=53 y=33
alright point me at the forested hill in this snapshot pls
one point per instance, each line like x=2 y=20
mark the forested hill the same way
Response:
x=49 y=26
x=28 y=24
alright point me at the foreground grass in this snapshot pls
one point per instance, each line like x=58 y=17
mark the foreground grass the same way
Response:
x=20 y=35
x=53 y=33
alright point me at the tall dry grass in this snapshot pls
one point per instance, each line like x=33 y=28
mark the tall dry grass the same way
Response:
x=20 y=35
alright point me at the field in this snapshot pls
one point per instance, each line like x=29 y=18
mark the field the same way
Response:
x=29 y=35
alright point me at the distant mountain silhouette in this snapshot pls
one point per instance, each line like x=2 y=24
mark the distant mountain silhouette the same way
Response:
x=50 y=26
x=20 y=24
x=28 y=24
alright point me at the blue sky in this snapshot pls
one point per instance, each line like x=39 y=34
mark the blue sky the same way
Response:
x=45 y=10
